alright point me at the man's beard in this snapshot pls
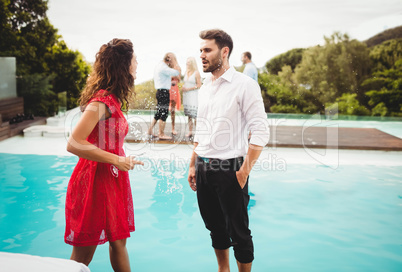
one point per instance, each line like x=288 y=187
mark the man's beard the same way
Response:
x=215 y=64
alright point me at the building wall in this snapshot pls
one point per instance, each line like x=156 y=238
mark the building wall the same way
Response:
x=8 y=83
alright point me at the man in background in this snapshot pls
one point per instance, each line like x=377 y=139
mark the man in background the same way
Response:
x=250 y=69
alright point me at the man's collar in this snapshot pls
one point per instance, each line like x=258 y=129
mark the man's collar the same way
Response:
x=228 y=75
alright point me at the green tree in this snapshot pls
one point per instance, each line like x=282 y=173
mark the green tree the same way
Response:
x=384 y=87
x=37 y=91
x=8 y=37
x=25 y=12
x=329 y=71
x=43 y=59
x=69 y=69
x=31 y=35
x=342 y=74
x=42 y=55
x=291 y=58
x=269 y=85
x=388 y=91
x=385 y=55
x=281 y=93
x=389 y=34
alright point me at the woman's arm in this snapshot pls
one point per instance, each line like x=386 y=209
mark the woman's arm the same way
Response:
x=78 y=145
x=177 y=67
x=198 y=79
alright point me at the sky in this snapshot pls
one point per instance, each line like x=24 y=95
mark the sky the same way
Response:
x=266 y=28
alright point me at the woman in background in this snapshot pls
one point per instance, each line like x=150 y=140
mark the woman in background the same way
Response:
x=192 y=82
x=175 y=99
x=99 y=204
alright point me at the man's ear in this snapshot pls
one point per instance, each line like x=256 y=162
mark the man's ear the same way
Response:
x=225 y=52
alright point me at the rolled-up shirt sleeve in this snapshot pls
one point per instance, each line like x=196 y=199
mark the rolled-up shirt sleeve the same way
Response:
x=170 y=71
x=255 y=115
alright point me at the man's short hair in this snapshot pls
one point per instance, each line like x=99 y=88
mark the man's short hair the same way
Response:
x=247 y=54
x=222 y=39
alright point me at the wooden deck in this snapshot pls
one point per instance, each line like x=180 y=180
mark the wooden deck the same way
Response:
x=334 y=137
x=7 y=130
x=296 y=137
x=10 y=107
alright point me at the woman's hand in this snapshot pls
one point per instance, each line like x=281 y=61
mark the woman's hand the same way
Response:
x=127 y=163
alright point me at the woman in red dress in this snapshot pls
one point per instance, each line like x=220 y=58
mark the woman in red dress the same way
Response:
x=99 y=204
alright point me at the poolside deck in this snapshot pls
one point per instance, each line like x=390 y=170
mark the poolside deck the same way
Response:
x=8 y=131
x=297 y=137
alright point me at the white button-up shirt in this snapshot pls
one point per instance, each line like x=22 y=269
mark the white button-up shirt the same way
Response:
x=163 y=76
x=228 y=109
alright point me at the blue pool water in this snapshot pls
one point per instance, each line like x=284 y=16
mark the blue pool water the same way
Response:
x=307 y=217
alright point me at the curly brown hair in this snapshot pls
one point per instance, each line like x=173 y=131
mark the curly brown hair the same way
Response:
x=111 y=72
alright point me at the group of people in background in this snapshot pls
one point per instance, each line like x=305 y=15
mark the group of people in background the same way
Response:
x=167 y=76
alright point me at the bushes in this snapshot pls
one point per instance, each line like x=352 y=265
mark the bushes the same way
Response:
x=347 y=104
x=144 y=96
x=39 y=99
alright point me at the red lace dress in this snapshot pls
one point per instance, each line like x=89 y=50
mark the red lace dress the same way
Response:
x=174 y=93
x=99 y=204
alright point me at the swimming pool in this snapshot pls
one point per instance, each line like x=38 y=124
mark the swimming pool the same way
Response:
x=304 y=215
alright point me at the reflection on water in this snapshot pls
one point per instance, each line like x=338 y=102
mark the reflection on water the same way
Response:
x=172 y=197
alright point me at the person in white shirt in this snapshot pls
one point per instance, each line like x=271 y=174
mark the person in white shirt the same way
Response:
x=250 y=69
x=162 y=80
x=229 y=106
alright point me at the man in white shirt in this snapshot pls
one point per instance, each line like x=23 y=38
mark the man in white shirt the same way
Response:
x=229 y=105
x=162 y=80
x=250 y=69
